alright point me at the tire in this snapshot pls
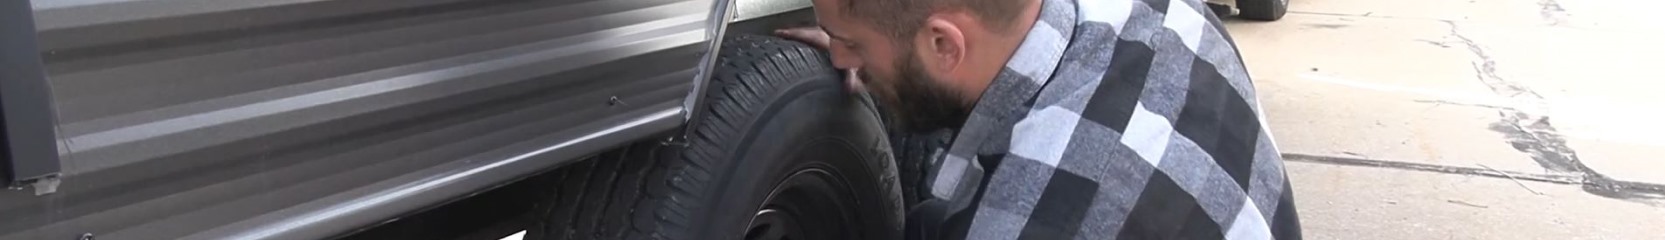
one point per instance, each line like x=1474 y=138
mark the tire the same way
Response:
x=1263 y=10
x=782 y=150
x=915 y=154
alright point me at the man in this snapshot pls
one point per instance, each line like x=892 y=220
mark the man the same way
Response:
x=1077 y=119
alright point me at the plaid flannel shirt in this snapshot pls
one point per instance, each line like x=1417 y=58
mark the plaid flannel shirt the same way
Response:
x=1130 y=119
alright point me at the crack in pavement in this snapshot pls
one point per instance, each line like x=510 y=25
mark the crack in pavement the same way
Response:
x=1486 y=69
x=1551 y=10
x=1534 y=135
x=1640 y=192
x=1537 y=138
x=1528 y=133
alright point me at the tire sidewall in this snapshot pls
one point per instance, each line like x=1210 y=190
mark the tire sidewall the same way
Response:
x=812 y=123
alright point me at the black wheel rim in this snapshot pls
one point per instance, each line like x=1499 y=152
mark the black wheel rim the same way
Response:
x=810 y=204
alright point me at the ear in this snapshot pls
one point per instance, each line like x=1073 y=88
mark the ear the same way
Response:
x=941 y=44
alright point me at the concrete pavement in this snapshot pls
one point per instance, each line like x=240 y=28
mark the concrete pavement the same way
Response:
x=1468 y=119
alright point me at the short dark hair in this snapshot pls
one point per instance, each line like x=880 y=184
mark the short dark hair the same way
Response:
x=902 y=18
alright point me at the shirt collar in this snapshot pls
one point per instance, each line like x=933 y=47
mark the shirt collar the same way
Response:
x=1008 y=96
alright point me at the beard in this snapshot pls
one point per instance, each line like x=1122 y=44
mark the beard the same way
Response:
x=915 y=101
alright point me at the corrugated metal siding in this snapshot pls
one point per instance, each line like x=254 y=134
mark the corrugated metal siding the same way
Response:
x=179 y=116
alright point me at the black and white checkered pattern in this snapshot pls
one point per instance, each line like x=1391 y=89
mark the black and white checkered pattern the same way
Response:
x=1130 y=119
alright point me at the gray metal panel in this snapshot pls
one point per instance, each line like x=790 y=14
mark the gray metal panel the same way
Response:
x=210 y=119
x=753 y=9
x=27 y=123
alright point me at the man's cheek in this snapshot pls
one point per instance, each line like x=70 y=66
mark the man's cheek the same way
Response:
x=887 y=98
x=879 y=90
x=888 y=92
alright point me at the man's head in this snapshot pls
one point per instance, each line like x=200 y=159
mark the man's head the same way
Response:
x=927 y=60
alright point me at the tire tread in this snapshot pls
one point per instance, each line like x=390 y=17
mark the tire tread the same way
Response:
x=1262 y=10
x=656 y=199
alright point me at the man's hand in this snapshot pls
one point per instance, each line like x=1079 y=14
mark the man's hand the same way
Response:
x=814 y=36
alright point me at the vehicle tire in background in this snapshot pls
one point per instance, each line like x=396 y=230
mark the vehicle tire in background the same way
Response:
x=916 y=153
x=1264 y=10
x=783 y=153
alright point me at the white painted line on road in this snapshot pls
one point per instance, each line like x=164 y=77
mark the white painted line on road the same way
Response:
x=517 y=236
x=1434 y=95
x=1582 y=118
